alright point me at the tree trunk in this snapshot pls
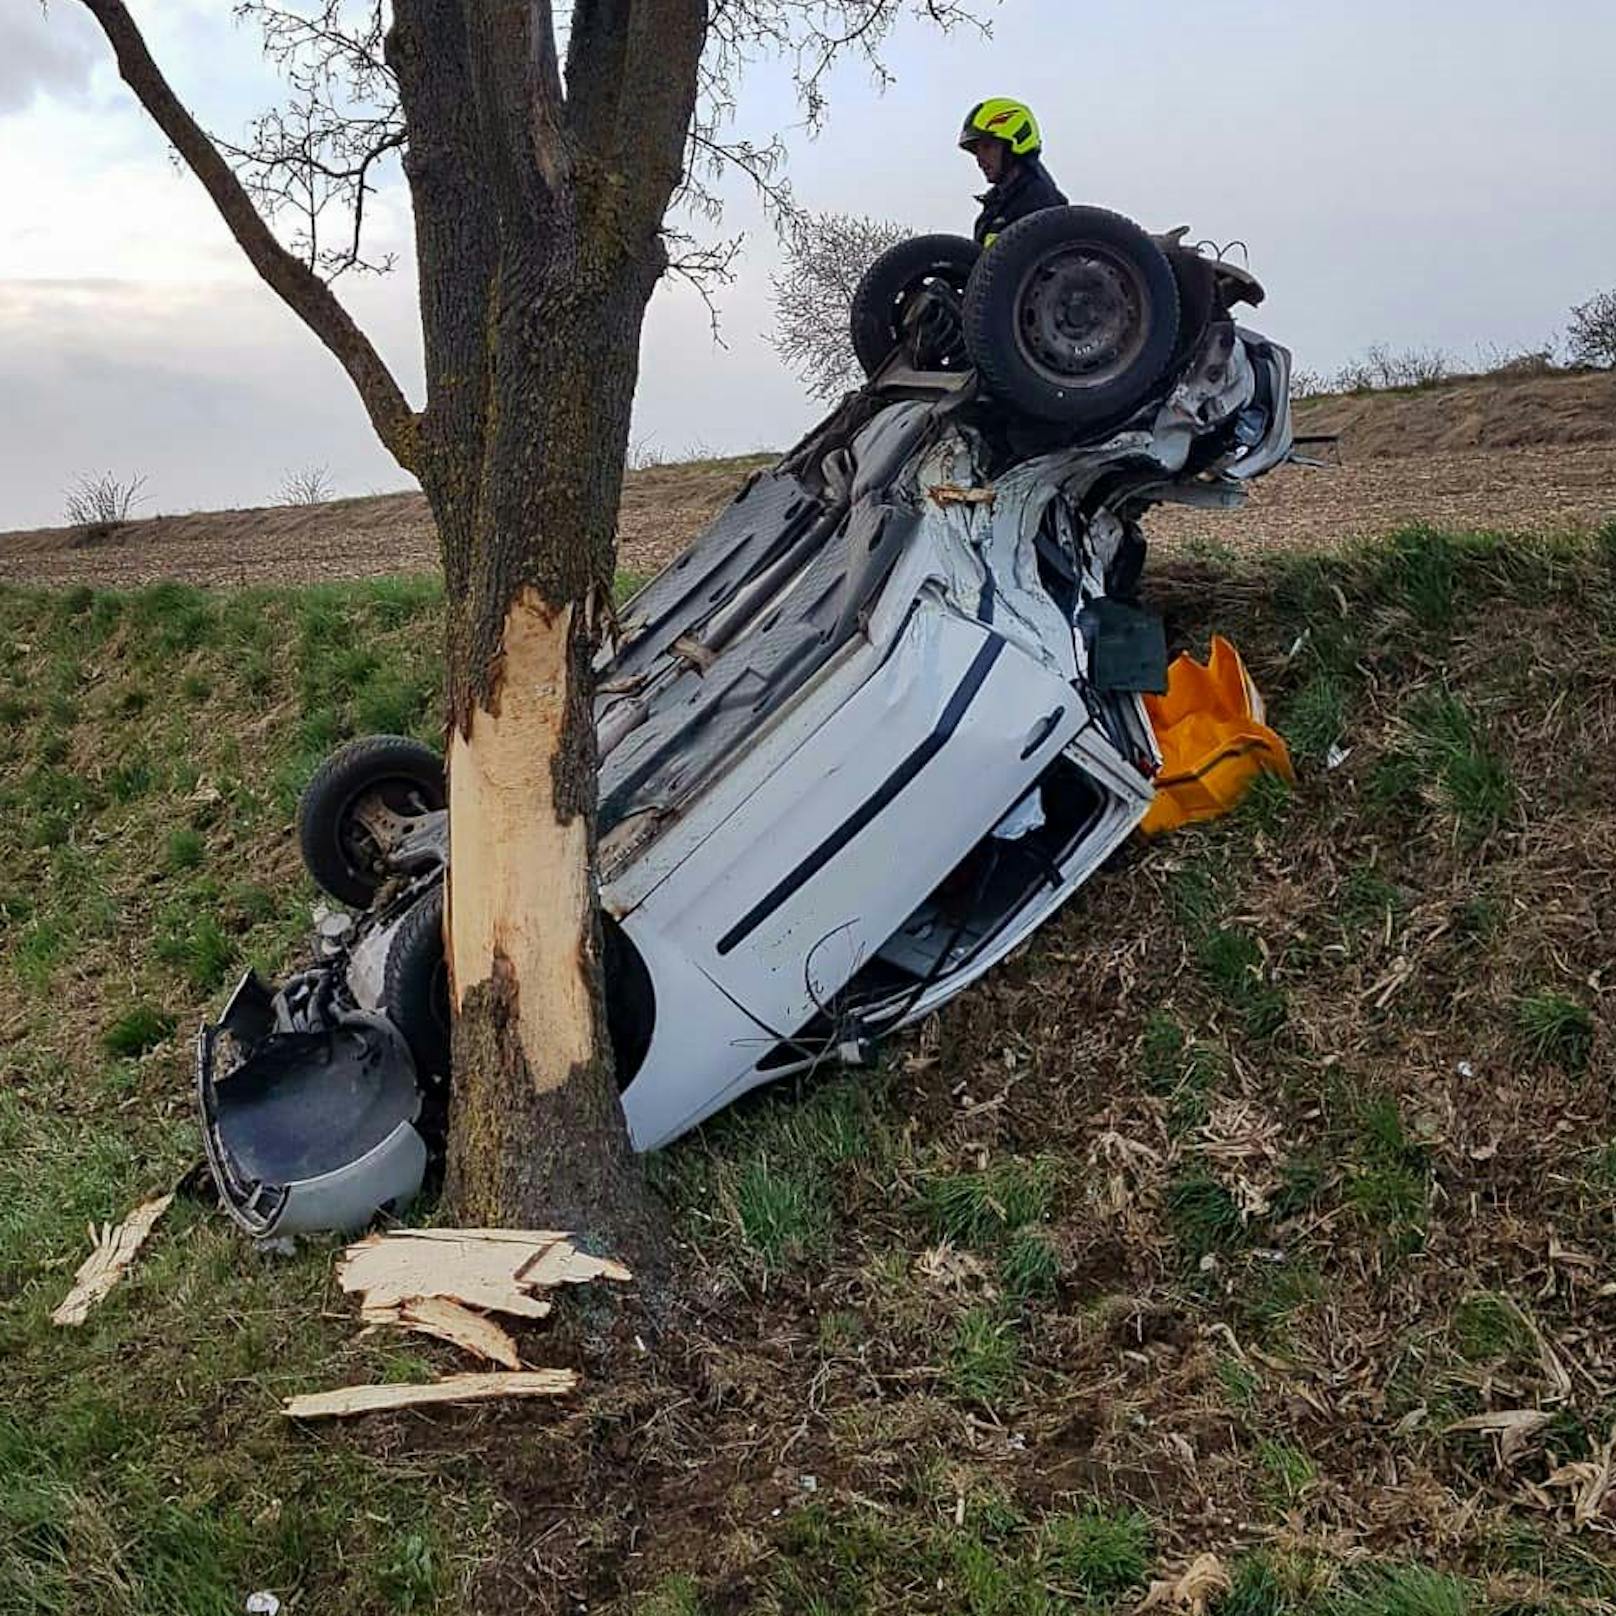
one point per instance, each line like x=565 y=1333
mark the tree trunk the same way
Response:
x=537 y=228
x=527 y=563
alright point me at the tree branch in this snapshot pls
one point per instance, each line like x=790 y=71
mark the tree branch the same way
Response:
x=297 y=285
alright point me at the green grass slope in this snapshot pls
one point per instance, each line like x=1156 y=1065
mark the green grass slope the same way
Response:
x=1216 y=1222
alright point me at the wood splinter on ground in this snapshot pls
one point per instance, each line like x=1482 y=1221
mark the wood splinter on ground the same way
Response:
x=349 y=1400
x=492 y=1270
x=115 y=1249
x=443 y=1283
x=448 y=1321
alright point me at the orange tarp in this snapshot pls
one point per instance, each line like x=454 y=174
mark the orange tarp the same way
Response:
x=1213 y=740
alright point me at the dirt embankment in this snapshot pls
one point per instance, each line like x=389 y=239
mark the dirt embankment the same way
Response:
x=1531 y=454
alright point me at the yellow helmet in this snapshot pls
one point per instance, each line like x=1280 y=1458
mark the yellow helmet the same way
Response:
x=1006 y=120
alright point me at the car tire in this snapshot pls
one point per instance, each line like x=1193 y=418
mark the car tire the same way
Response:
x=415 y=988
x=415 y=994
x=399 y=775
x=1072 y=316
x=892 y=280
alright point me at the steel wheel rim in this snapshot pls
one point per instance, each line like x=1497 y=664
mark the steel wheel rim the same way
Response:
x=1081 y=315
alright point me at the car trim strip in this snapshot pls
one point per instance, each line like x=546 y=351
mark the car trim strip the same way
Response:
x=952 y=714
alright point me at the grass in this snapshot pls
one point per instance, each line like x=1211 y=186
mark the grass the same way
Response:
x=976 y=1208
x=1450 y=742
x=1182 y=1231
x=983 y=1358
x=143 y=1465
x=1556 y=1029
x=1487 y=1329
x=1099 y=1553
x=137 y=1031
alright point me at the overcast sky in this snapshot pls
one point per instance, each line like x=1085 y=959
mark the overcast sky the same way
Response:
x=1433 y=174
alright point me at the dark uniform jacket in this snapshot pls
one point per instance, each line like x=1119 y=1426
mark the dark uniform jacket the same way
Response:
x=1027 y=189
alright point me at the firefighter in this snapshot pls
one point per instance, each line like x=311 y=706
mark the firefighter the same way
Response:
x=1002 y=135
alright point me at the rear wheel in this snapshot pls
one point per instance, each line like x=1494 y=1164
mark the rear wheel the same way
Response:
x=914 y=292
x=362 y=801
x=1072 y=316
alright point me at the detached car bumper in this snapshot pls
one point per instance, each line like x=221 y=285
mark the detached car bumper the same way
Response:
x=307 y=1130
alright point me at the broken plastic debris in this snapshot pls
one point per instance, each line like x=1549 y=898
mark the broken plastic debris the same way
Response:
x=1211 y=732
x=263 y=1603
x=347 y=1401
x=115 y=1249
x=1026 y=817
x=1337 y=755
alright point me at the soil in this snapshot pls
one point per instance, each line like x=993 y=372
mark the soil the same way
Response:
x=1533 y=454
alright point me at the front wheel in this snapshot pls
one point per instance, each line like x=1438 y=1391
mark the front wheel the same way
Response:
x=1072 y=316
x=415 y=987
x=360 y=804
x=415 y=994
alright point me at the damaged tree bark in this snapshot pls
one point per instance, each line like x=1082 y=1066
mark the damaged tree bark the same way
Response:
x=538 y=215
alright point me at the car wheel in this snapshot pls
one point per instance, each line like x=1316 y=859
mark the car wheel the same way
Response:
x=361 y=802
x=937 y=267
x=415 y=987
x=1072 y=316
x=415 y=993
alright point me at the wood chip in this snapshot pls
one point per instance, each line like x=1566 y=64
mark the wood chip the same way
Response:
x=946 y=494
x=347 y=1401
x=115 y=1249
x=449 y=1321
x=492 y=1270
x=1205 y=1580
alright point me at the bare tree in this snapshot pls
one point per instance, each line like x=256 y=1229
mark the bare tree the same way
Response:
x=310 y=486
x=103 y=502
x=541 y=167
x=826 y=255
x=1591 y=335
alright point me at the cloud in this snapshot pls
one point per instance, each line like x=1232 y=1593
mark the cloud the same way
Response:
x=49 y=51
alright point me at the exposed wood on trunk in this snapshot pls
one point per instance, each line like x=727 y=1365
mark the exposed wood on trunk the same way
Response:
x=296 y=283
x=115 y=1249
x=479 y=1388
x=520 y=901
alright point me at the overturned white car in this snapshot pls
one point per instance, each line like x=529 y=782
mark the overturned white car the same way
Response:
x=870 y=730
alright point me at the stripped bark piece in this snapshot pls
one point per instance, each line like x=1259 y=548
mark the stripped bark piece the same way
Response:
x=495 y=1270
x=347 y=1401
x=449 y=1321
x=115 y=1249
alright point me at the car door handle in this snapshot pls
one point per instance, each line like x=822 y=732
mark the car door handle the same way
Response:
x=1041 y=731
